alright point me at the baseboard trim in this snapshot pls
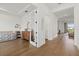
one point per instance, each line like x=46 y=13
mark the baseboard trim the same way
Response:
x=76 y=45
x=52 y=38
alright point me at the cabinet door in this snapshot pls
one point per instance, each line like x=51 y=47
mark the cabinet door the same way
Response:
x=26 y=35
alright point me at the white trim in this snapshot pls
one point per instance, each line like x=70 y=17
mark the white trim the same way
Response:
x=75 y=44
x=51 y=38
x=4 y=9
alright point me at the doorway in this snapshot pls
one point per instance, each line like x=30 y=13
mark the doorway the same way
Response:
x=71 y=30
x=66 y=22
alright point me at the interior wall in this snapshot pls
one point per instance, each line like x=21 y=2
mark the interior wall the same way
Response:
x=40 y=29
x=50 y=26
x=76 y=23
x=25 y=19
x=47 y=27
x=61 y=26
x=46 y=23
x=8 y=22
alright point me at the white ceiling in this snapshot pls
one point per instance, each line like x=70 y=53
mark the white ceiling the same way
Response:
x=66 y=15
x=63 y=11
x=53 y=6
x=19 y=8
x=15 y=8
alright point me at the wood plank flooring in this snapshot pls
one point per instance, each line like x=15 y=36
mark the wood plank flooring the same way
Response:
x=55 y=47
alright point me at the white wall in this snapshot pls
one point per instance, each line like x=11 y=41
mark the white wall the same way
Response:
x=7 y=22
x=53 y=27
x=40 y=29
x=61 y=26
x=25 y=19
x=76 y=23
x=50 y=26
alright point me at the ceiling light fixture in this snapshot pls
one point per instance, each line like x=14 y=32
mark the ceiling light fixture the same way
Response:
x=36 y=11
x=59 y=3
x=26 y=11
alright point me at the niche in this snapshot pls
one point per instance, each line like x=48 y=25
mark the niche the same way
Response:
x=32 y=36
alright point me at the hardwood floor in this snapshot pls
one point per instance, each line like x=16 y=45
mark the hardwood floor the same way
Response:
x=56 y=47
x=13 y=47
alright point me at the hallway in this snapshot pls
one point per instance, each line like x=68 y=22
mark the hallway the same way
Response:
x=56 y=47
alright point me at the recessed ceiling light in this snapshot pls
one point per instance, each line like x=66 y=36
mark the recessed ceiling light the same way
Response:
x=59 y=3
x=36 y=11
x=26 y=11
